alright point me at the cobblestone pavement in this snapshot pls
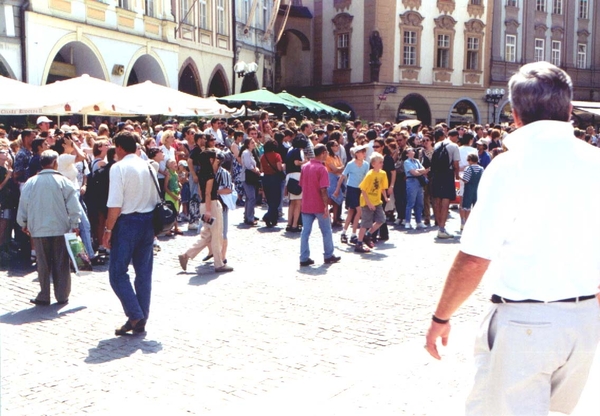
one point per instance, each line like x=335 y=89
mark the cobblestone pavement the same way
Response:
x=269 y=337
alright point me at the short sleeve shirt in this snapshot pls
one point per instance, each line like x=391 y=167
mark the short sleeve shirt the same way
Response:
x=373 y=184
x=355 y=174
x=313 y=178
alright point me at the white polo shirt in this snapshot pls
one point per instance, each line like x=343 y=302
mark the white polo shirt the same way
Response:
x=536 y=216
x=131 y=187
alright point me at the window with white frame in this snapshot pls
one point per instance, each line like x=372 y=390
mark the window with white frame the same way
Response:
x=473 y=53
x=265 y=14
x=557 y=6
x=202 y=14
x=343 y=51
x=246 y=10
x=512 y=3
x=185 y=15
x=584 y=9
x=538 y=53
x=476 y=2
x=149 y=8
x=540 y=5
x=556 y=47
x=409 y=48
x=510 y=51
x=125 y=4
x=443 y=51
x=221 y=27
x=581 y=55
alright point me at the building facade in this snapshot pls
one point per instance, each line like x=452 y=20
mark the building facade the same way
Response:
x=562 y=32
x=391 y=60
x=181 y=44
x=254 y=61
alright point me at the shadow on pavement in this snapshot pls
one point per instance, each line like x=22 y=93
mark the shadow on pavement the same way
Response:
x=121 y=347
x=447 y=241
x=37 y=314
x=204 y=274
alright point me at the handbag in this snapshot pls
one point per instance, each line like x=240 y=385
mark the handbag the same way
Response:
x=164 y=214
x=423 y=181
x=252 y=178
x=293 y=186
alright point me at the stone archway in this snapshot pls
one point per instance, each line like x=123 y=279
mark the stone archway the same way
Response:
x=414 y=106
x=345 y=107
x=293 y=69
x=218 y=85
x=464 y=111
x=146 y=68
x=5 y=69
x=189 y=79
x=73 y=60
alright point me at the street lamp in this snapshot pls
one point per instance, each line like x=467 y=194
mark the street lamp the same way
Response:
x=493 y=96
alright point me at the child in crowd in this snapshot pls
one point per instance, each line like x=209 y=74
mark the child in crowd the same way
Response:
x=355 y=171
x=172 y=190
x=471 y=178
x=373 y=189
x=183 y=173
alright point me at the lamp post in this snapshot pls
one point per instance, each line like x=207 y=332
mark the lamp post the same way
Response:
x=493 y=96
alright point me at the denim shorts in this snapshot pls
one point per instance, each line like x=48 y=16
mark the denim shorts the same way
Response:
x=352 y=197
x=186 y=194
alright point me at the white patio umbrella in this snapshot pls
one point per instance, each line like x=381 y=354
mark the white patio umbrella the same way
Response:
x=18 y=98
x=158 y=99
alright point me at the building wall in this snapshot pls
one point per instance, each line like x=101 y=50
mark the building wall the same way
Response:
x=10 y=43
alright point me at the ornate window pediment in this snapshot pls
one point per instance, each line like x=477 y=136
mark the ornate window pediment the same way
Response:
x=445 y=22
x=411 y=19
x=540 y=29
x=475 y=10
x=343 y=22
x=474 y=26
x=511 y=25
x=557 y=32
x=582 y=35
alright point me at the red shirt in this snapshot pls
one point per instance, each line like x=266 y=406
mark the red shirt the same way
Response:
x=268 y=159
x=313 y=178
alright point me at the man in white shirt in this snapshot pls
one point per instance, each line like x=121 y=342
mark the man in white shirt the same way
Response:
x=536 y=344
x=132 y=197
x=215 y=131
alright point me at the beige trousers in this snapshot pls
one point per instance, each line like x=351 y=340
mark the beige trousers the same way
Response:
x=211 y=235
x=533 y=358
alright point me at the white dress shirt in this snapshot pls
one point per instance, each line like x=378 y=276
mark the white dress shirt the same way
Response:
x=536 y=216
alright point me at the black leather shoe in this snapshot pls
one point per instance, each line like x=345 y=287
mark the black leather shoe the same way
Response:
x=307 y=262
x=332 y=259
x=138 y=328
x=40 y=302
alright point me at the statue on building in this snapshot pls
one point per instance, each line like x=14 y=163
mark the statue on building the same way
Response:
x=376 y=53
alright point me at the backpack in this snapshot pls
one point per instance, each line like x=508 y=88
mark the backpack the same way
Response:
x=96 y=194
x=440 y=159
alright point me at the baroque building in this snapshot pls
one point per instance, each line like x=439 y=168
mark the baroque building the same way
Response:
x=390 y=60
x=563 y=32
x=181 y=44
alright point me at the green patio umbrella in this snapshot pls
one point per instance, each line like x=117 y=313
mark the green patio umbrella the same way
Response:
x=299 y=105
x=262 y=97
x=318 y=107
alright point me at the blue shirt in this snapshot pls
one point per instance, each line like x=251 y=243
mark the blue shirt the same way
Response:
x=484 y=159
x=355 y=173
x=410 y=164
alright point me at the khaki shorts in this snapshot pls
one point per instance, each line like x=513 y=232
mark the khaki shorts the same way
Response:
x=368 y=217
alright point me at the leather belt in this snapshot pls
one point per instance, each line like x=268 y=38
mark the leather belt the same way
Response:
x=499 y=299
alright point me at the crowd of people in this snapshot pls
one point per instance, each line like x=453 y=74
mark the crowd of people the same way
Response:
x=376 y=175
x=423 y=171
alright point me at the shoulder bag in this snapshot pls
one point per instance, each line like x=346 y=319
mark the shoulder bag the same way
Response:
x=164 y=214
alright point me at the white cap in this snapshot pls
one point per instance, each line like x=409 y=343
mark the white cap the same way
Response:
x=43 y=119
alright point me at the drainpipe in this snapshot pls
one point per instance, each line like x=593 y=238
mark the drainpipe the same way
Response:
x=234 y=44
x=23 y=32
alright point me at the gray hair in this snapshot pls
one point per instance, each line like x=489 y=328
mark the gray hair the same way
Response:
x=541 y=91
x=47 y=158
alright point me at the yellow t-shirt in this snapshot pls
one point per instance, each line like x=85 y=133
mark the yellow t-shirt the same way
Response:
x=373 y=184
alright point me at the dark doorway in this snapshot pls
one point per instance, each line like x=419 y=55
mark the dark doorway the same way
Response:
x=414 y=106
x=188 y=82
x=217 y=86
x=250 y=82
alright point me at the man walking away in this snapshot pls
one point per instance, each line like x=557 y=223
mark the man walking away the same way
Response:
x=535 y=347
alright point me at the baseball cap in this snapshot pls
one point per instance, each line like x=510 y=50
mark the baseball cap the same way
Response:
x=43 y=119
